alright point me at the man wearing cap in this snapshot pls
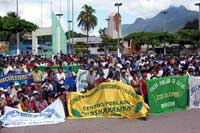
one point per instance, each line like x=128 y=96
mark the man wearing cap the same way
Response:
x=124 y=78
x=15 y=90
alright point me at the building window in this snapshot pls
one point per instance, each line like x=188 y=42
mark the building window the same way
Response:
x=129 y=44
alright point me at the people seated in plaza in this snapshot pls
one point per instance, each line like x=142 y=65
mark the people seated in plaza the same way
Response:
x=133 y=70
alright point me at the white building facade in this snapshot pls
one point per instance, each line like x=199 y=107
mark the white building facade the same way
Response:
x=114 y=26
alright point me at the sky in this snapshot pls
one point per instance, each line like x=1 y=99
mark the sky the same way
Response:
x=130 y=10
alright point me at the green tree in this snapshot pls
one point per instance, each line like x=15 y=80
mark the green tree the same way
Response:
x=150 y=38
x=186 y=36
x=192 y=25
x=11 y=24
x=102 y=33
x=75 y=34
x=87 y=20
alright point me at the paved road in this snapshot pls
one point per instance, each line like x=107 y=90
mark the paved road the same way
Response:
x=176 y=122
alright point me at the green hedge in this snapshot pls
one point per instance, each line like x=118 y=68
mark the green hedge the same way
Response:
x=55 y=68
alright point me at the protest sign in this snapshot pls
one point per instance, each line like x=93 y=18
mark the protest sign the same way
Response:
x=53 y=114
x=20 y=78
x=194 y=91
x=167 y=94
x=74 y=68
x=110 y=99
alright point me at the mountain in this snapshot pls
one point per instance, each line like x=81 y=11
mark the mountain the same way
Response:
x=176 y=18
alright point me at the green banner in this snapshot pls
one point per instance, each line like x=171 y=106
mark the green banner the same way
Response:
x=167 y=94
x=55 y=68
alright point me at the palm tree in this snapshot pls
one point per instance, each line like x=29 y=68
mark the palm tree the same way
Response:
x=12 y=14
x=87 y=19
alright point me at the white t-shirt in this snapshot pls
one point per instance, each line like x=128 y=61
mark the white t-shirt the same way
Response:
x=44 y=76
x=60 y=77
x=6 y=70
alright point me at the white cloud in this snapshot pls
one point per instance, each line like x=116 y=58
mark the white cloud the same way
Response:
x=131 y=9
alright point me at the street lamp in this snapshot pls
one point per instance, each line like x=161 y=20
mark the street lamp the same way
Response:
x=58 y=29
x=18 y=41
x=72 y=24
x=164 y=28
x=198 y=4
x=59 y=14
x=106 y=33
x=164 y=24
x=69 y=36
x=118 y=5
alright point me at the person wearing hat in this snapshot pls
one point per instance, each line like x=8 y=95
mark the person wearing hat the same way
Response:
x=15 y=90
x=124 y=78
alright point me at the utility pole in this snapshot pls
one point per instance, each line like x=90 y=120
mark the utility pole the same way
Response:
x=41 y=41
x=18 y=40
x=119 y=19
x=58 y=31
x=106 y=48
x=69 y=37
x=72 y=26
x=51 y=6
x=69 y=27
x=198 y=4
x=164 y=29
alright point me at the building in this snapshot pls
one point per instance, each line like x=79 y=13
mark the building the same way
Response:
x=4 y=46
x=114 y=26
x=94 y=44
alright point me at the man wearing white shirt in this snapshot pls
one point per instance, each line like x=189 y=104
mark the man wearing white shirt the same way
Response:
x=60 y=77
x=8 y=69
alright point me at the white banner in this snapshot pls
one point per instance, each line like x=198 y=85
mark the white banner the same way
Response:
x=81 y=82
x=194 y=91
x=53 y=114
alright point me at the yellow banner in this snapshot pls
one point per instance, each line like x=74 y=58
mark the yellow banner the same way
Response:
x=111 y=99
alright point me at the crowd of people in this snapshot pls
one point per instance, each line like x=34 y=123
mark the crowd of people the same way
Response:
x=48 y=85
